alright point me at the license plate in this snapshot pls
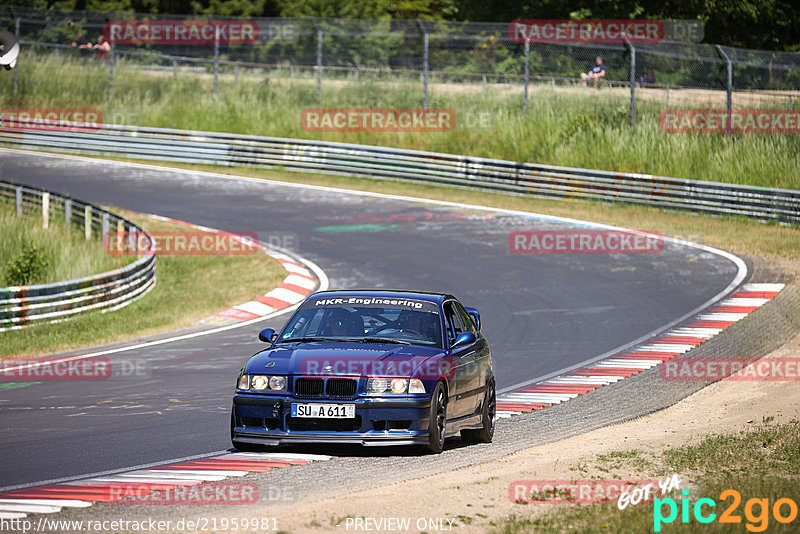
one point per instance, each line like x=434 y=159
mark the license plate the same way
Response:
x=324 y=411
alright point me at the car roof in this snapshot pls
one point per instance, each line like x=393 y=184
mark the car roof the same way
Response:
x=385 y=293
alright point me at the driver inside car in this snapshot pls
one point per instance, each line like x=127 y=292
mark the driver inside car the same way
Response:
x=342 y=323
x=420 y=323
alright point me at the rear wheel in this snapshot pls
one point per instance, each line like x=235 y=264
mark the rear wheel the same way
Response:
x=486 y=433
x=437 y=420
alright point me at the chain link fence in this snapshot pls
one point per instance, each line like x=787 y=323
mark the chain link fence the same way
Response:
x=430 y=56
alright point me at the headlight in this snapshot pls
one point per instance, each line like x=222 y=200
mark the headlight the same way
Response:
x=396 y=386
x=259 y=382
x=277 y=383
x=377 y=385
x=262 y=382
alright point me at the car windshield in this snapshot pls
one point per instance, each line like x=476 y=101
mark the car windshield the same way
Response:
x=369 y=323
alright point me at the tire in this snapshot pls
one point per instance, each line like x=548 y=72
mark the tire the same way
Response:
x=437 y=420
x=486 y=433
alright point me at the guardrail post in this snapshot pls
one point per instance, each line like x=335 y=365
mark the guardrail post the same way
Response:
x=87 y=222
x=425 y=62
x=632 y=78
x=527 y=71
x=174 y=69
x=68 y=212
x=729 y=95
x=45 y=210
x=16 y=65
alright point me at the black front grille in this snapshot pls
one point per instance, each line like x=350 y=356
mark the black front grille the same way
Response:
x=341 y=387
x=324 y=425
x=308 y=387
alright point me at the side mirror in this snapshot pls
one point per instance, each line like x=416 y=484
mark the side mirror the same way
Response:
x=267 y=335
x=9 y=50
x=463 y=339
x=475 y=315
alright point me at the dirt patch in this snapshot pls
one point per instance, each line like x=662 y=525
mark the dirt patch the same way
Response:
x=477 y=496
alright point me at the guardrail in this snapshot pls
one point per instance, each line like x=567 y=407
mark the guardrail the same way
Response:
x=21 y=306
x=547 y=181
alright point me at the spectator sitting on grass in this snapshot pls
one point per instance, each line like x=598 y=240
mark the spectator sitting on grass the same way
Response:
x=596 y=74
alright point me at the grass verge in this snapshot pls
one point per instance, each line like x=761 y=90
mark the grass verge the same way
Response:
x=761 y=465
x=32 y=255
x=580 y=128
x=188 y=288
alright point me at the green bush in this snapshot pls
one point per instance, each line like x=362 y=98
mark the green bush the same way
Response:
x=30 y=263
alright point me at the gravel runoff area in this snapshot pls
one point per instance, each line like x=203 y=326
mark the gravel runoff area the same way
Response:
x=357 y=469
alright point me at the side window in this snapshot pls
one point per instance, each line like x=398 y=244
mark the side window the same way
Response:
x=454 y=325
x=466 y=320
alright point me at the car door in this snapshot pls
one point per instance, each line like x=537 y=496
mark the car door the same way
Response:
x=462 y=398
x=481 y=354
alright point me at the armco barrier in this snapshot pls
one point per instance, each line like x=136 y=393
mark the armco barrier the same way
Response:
x=379 y=162
x=20 y=306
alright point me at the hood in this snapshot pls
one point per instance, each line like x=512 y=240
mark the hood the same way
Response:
x=341 y=359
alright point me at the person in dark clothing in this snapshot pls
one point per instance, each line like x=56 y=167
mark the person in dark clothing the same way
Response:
x=596 y=74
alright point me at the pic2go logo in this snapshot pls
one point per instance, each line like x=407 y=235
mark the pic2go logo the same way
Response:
x=756 y=511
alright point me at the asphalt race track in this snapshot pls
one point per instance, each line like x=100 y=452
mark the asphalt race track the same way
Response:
x=541 y=313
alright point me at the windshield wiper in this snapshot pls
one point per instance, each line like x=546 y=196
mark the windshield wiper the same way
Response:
x=380 y=340
x=307 y=339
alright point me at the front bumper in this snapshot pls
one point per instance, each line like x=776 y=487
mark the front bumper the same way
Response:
x=266 y=419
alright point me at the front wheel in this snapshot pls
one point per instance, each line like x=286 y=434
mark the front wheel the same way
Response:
x=486 y=433
x=438 y=419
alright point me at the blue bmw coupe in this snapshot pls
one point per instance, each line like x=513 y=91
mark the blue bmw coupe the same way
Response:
x=369 y=367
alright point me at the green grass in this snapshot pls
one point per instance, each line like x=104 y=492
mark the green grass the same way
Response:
x=188 y=288
x=60 y=253
x=762 y=463
x=581 y=128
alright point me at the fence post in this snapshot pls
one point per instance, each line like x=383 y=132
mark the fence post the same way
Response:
x=68 y=212
x=319 y=57
x=104 y=221
x=19 y=201
x=632 y=78
x=87 y=222
x=527 y=71
x=111 y=61
x=174 y=69
x=16 y=65
x=216 y=60
x=236 y=75
x=425 y=59
x=729 y=96
x=46 y=210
